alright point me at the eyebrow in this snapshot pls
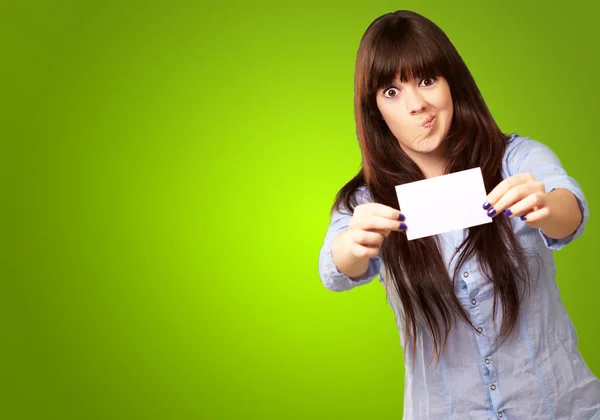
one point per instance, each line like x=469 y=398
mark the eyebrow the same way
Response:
x=389 y=85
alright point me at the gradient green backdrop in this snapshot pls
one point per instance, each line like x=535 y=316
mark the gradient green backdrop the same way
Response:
x=167 y=171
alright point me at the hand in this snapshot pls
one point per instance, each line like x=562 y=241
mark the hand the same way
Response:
x=519 y=195
x=371 y=223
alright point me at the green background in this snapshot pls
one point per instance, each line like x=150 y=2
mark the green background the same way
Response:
x=167 y=172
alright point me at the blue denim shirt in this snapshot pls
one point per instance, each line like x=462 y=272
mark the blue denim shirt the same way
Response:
x=538 y=373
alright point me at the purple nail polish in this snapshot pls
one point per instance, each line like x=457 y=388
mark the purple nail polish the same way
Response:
x=486 y=205
x=508 y=213
x=403 y=226
x=401 y=217
x=523 y=217
x=491 y=212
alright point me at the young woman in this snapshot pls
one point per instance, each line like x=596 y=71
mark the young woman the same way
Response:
x=483 y=329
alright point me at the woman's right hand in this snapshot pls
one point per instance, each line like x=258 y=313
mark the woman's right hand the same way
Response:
x=371 y=223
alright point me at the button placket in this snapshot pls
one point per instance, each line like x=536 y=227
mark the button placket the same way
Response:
x=484 y=345
x=494 y=389
x=468 y=279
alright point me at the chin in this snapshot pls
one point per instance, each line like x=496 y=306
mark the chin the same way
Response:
x=429 y=145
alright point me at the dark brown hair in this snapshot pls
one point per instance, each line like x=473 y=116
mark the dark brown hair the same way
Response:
x=412 y=45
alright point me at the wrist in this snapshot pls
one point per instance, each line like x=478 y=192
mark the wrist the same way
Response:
x=345 y=261
x=564 y=214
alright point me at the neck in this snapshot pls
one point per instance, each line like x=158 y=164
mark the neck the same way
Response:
x=431 y=172
x=431 y=164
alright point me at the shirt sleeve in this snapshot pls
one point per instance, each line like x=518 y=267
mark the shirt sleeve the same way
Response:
x=330 y=276
x=539 y=160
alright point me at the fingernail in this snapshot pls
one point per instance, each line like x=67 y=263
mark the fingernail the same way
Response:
x=491 y=212
x=523 y=217
x=403 y=226
x=401 y=217
x=508 y=213
x=486 y=205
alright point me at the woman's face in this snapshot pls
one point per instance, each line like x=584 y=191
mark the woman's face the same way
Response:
x=418 y=113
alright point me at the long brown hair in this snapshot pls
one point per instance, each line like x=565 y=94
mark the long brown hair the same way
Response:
x=411 y=44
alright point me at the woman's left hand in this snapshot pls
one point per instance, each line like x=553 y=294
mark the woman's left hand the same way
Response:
x=519 y=195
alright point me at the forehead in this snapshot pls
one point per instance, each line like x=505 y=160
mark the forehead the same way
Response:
x=398 y=79
x=402 y=56
x=403 y=69
x=408 y=78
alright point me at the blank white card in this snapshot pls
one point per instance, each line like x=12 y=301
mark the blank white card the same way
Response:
x=443 y=204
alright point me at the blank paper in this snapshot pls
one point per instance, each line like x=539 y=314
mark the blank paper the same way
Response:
x=443 y=204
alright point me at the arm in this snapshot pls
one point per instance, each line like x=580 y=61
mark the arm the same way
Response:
x=564 y=214
x=354 y=267
x=350 y=253
x=540 y=191
x=334 y=279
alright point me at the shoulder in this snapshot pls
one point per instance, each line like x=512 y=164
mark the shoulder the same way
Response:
x=519 y=148
x=518 y=145
x=363 y=195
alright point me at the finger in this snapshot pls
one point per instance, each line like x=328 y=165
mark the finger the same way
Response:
x=503 y=187
x=384 y=211
x=367 y=238
x=512 y=196
x=527 y=205
x=384 y=232
x=534 y=218
x=362 y=251
x=378 y=223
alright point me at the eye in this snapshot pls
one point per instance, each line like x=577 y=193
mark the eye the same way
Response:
x=391 y=92
x=428 y=81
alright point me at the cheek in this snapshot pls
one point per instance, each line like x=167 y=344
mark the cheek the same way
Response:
x=448 y=100
x=403 y=132
x=445 y=106
x=450 y=109
x=396 y=124
x=390 y=114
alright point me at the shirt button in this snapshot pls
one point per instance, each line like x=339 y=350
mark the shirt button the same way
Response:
x=474 y=302
x=500 y=414
x=479 y=330
x=465 y=274
x=487 y=361
x=493 y=387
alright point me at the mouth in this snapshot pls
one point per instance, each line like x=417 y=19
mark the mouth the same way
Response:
x=428 y=122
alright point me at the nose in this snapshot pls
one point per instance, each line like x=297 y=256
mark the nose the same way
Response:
x=415 y=102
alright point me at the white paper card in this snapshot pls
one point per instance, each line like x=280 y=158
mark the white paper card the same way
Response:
x=443 y=204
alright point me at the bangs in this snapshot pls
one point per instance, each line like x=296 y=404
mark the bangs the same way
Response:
x=408 y=54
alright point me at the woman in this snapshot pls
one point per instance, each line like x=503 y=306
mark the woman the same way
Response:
x=483 y=329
